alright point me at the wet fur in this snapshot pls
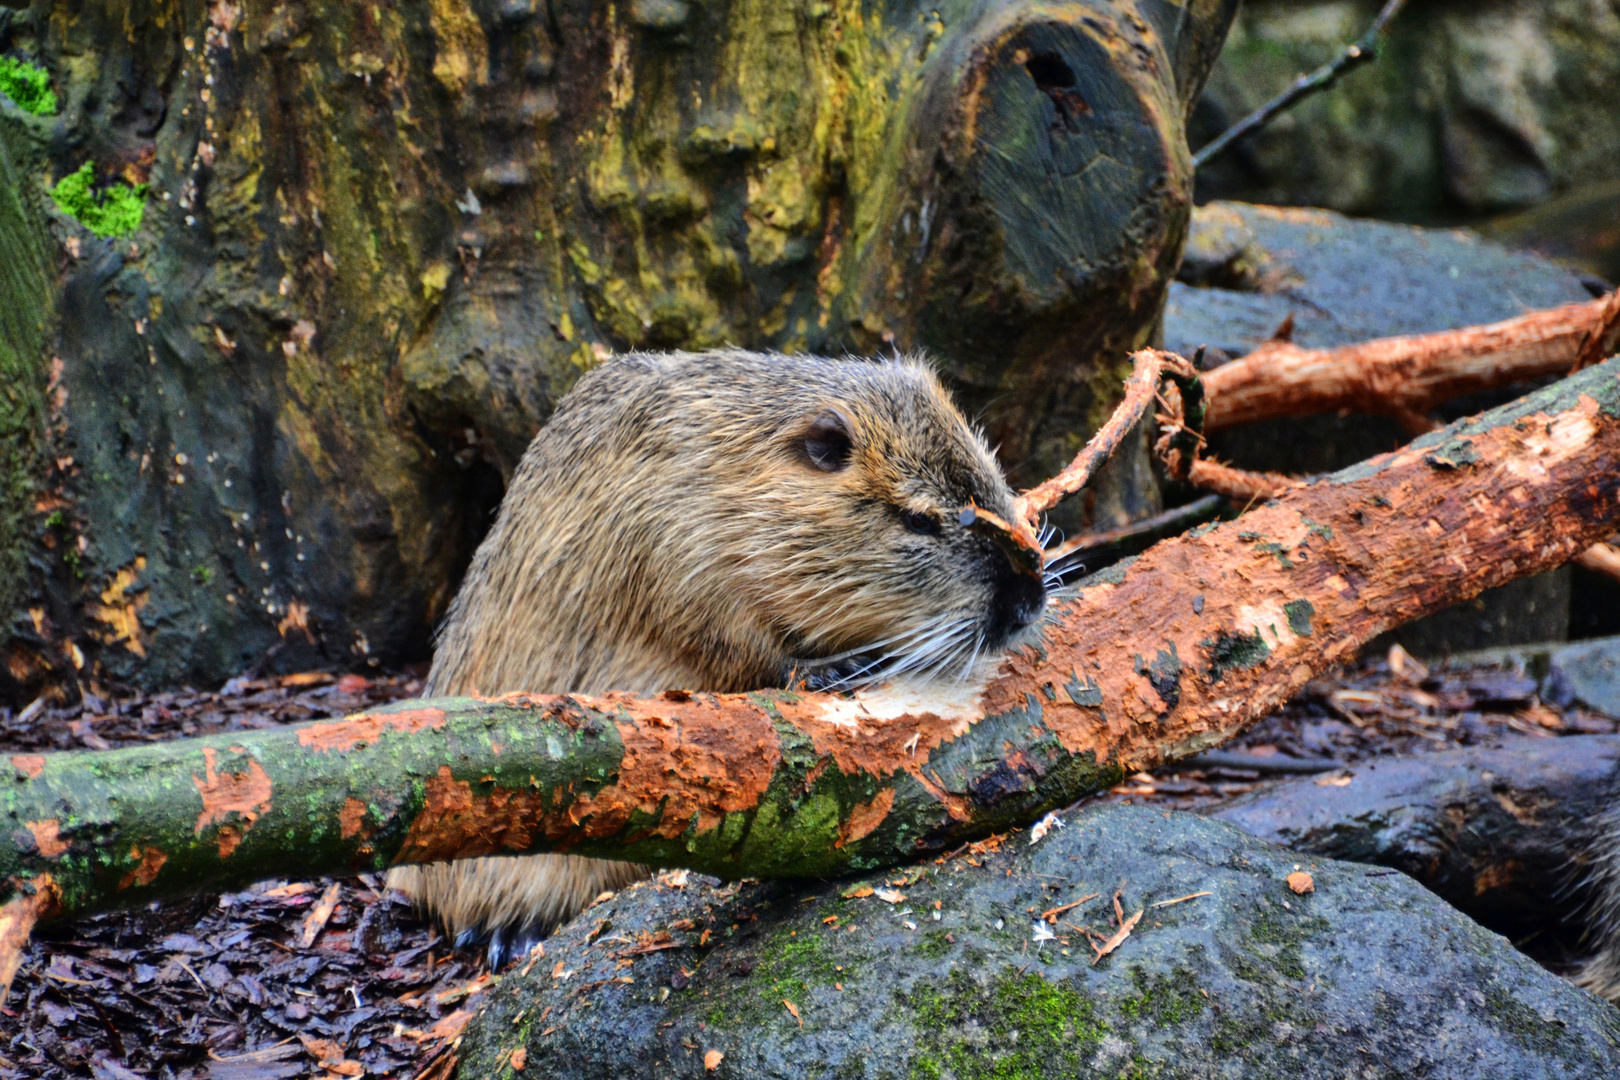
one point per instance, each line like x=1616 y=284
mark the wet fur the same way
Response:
x=667 y=529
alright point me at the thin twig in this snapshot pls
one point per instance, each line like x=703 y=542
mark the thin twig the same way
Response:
x=1140 y=390
x=1097 y=550
x=1364 y=50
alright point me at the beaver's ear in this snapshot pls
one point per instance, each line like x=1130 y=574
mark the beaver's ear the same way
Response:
x=828 y=440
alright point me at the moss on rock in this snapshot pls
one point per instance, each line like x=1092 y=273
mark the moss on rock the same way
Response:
x=942 y=976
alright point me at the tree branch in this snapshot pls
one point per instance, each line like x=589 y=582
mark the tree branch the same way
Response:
x=1362 y=51
x=1151 y=661
x=1409 y=374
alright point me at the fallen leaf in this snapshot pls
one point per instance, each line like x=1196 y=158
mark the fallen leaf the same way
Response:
x=449 y=1027
x=520 y=1058
x=1301 y=882
x=794 y=1009
x=856 y=892
x=892 y=896
x=322 y=1050
x=319 y=912
x=675 y=879
x=711 y=1060
x=455 y=993
x=1405 y=666
x=285 y=892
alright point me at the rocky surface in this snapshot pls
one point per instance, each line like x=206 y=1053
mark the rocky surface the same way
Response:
x=982 y=965
x=1500 y=832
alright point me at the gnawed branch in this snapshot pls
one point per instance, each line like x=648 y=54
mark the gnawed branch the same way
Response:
x=1409 y=374
x=1151 y=661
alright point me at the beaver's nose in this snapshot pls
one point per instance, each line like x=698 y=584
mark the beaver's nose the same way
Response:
x=1018 y=601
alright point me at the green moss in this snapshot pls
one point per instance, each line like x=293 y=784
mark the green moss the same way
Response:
x=1166 y=998
x=932 y=945
x=117 y=211
x=1228 y=652
x=28 y=85
x=1299 y=614
x=1019 y=1027
x=790 y=965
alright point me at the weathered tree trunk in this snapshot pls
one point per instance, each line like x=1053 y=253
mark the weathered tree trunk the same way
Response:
x=380 y=242
x=1151 y=661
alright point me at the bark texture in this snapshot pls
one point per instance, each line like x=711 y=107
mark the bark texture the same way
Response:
x=380 y=241
x=1151 y=660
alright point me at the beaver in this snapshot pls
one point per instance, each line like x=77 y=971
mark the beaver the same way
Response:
x=721 y=521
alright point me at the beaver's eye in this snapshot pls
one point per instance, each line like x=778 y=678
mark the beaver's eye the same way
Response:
x=919 y=522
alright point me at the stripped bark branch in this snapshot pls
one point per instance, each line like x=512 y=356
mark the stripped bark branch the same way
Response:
x=1153 y=660
x=1405 y=375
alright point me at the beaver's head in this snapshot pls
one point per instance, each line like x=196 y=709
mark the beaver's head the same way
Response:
x=858 y=549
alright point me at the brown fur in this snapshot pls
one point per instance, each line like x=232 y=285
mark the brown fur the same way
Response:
x=670 y=528
x=1601 y=972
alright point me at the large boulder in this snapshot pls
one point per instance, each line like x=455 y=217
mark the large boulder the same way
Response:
x=948 y=970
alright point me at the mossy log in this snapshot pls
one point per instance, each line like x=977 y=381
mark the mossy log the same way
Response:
x=1152 y=660
x=377 y=243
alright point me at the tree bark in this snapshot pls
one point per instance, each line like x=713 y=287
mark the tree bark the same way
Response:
x=1149 y=661
x=1400 y=376
x=380 y=242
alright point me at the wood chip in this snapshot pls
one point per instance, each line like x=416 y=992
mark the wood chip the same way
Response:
x=319 y=912
x=449 y=1027
x=1117 y=940
x=1334 y=780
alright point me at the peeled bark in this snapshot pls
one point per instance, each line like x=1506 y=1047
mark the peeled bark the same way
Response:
x=381 y=241
x=1401 y=376
x=1152 y=660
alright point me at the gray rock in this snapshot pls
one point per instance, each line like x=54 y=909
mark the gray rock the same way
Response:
x=1585 y=674
x=1501 y=832
x=1367 y=976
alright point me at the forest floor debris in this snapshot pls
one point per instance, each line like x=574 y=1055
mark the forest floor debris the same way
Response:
x=227 y=987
